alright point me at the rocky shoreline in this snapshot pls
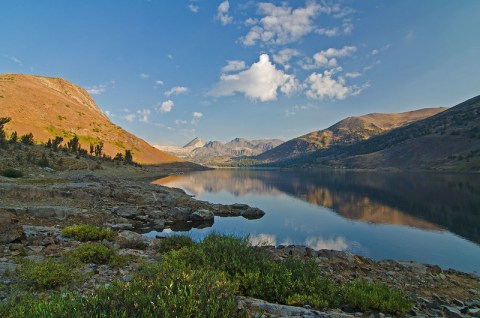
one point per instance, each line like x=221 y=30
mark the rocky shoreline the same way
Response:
x=34 y=212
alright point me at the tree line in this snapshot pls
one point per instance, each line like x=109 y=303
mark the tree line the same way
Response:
x=56 y=144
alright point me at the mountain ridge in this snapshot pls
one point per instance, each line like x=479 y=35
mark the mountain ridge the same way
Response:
x=347 y=131
x=449 y=140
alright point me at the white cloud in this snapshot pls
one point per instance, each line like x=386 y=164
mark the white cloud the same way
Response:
x=234 y=65
x=319 y=243
x=129 y=117
x=282 y=24
x=193 y=8
x=260 y=82
x=170 y=56
x=144 y=76
x=143 y=115
x=222 y=13
x=321 y=86
x=353 y=74
x=179 y=122
x=96 y=89
x=327 y=58
x=196 y=116
x=177 y=90
x=166 y=106
x=159 y=82
x=284 y=56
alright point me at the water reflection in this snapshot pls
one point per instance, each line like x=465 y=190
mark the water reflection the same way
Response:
x=434 y=202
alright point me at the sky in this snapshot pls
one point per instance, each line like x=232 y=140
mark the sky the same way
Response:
x=170 y=71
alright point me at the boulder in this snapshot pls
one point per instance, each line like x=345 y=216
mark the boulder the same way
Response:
x=202 y=216
x=179 y=214
x=10 y=229
x=132 y=240
x=252 y=213
x=53 y=212
x=128 y=212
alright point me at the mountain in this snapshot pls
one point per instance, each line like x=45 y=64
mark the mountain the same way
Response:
x=50 y=107
x=195 y=143
x=215 y=152
x=347 y=131
x=449 y=140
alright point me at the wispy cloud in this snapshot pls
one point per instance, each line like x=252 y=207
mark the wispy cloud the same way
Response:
x=96 y=89
x=144 y=76
x=234 y=65
x=353 y=74
x=193 y=8
x=259 y=82
x=222 y=13
x=159 y=82
x=16 y=61
x=130 y=117
x=177 y=90
x=180 y=122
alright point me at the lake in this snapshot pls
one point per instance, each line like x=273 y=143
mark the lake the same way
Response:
x=424 y=217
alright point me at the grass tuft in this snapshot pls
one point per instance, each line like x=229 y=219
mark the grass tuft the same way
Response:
x=87 y=232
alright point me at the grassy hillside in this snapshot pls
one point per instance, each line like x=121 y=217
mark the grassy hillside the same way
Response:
x=348 y=131
x=449 y=140
x=50 y=107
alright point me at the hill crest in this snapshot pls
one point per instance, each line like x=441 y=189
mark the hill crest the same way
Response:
x=50 y=107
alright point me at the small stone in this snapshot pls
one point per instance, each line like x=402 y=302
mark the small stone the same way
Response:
x=474 y=312
x=442 y=276
x=452 y=312
x=127 y=278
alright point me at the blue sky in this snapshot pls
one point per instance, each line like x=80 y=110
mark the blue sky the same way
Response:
x=169 y=71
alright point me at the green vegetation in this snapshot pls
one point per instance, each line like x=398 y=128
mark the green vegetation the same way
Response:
x=95 y=253
x=48 y=274
x=201 y=280
x=174 y=242
x=12 y=173
x=85 y=232
x=364 y=295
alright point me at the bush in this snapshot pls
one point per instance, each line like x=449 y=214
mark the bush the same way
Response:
x=12 y=173
x=96 y=253
x=174 y=242
x=46 y=275
x=364 y=295
x=85 y=232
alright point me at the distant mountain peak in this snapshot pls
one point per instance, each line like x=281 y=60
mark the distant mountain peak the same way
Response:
x=195 y=143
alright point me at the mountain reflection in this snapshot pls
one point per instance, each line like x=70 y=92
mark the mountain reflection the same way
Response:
x=422 y=200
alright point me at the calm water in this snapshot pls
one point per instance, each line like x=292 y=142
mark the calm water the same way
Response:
x=428 y=218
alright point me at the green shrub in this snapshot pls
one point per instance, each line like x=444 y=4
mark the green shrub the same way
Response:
x=174 y=242
x=87 y=232
x=12 y=173
x=48 y=274
x=201 y=280
x=96 y=253
x=364 y=295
